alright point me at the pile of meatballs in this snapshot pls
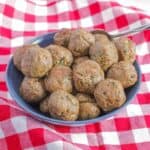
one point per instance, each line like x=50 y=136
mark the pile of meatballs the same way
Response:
x=80 y=76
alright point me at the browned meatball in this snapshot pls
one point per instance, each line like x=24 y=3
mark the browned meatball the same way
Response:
x=59 y=78
x=36 y=62
x=79 y=60
x=84 y=98
x=86 y=75
x=109 y=94
x=62 y=37
x=80 y=41
x=18 y=55
x=124 y=72
x=126 y=49
x=104 y=53
x=44 y=105
x=60 y=55
x=32 y=90
x=63 y=105
x=88 y=111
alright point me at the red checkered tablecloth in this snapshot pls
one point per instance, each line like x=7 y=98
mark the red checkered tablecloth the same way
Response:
x=22 y=20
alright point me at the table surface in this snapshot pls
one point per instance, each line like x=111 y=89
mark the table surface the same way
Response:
x=25 y=19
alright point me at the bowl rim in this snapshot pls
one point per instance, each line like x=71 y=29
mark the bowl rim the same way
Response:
x=45 y=118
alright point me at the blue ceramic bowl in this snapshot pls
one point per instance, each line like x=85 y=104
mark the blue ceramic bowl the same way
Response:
x=14 y=78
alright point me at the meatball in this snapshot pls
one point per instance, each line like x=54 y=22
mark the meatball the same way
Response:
x=18 y=55
x=63 y=105
x=104 y=53
x=32 y=90
x=84 y=98
x=88 y=110
x=36 y=62
x=126 y=49
x=80 y=41
x=86 y=75
x=60 y=55
x=44 y=105
x=109 y=94
x=62 y=37
x=79 y=60
x=124 y=72
x=59 y=78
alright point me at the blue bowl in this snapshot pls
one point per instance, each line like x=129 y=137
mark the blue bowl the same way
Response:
x=14 y=78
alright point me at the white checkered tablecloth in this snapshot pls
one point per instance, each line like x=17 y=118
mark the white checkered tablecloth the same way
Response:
x=24 y=19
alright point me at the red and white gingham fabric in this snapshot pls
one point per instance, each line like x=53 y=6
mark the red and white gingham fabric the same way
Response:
x=20 y=21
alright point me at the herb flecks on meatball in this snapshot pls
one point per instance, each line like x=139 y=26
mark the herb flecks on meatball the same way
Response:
x=126 y=49
x=109 y=94
x=124 y=72
x=36 y=62
x=63 y=105
x=59 y=78
x=60 y=55
x=32 y=90
x=86 y=75
x=80 y=42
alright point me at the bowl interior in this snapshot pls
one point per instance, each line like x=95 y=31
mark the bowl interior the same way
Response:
x=14 y=78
